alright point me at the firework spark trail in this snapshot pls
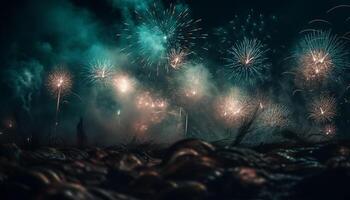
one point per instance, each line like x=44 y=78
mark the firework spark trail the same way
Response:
x=59 y=83
x=247 y=61
x=337 y=7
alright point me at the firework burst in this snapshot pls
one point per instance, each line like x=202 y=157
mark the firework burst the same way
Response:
x=156 y=32
x=233 y=109
x=59 y=81
x=59 y=84
x=329 y=130
x=274 y=116
x=247 y=61
x=323 y=109
x=177 y=58
x=99 y=72
x=321 y=57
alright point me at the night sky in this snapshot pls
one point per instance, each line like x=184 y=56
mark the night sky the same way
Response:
x=39 y=38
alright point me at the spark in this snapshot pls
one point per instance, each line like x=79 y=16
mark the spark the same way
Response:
x=261 y=100
x=247 y=61
x=323 y=109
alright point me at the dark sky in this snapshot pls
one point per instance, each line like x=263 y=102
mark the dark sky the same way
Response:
x=293 y=14
x=26 y=27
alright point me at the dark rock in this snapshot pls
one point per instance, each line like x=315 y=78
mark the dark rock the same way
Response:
x=189 y=169
x=329 y=184
x=186 y=190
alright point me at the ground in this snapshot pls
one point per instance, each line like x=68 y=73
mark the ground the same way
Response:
x=189 y=169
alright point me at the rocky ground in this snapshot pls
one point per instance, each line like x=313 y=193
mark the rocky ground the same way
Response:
x=189 y=169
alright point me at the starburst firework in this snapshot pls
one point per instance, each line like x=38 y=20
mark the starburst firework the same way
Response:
x=321 y=57
x=233 y=108
x=59 y=84
x=99 y=71
x=323 y=109
x=247 y=61
x=274 y=116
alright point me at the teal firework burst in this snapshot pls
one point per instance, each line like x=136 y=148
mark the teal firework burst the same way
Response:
x=247 y=61
x=99 y=71
x=153 y=34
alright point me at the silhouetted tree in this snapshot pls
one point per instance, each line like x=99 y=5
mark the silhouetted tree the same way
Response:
x=81 y=136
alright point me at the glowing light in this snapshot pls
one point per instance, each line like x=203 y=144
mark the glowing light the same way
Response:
x=154 y=107
x=9 y=123
x=261 y=105
x=123 y=84
x=323 y=109
x=329 y=130
x=141 y=127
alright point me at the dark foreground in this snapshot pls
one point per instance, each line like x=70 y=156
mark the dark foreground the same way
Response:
x=189 y=169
